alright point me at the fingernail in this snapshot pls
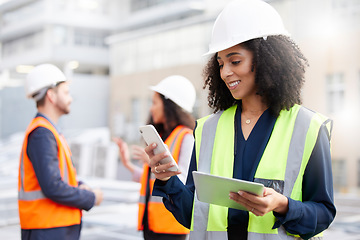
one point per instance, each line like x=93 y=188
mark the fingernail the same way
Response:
x=154 y=145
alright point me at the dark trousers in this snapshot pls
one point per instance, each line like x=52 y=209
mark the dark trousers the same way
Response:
x=60 y=233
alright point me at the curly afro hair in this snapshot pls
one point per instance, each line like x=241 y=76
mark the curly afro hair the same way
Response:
x=280 y=72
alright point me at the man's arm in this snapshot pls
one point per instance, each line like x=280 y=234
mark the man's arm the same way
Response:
x=42 y=152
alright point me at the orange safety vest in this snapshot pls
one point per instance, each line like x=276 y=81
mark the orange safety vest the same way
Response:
x=160 y=220
x=35 y=210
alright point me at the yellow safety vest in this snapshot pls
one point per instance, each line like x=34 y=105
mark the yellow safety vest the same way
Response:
x=284 y=159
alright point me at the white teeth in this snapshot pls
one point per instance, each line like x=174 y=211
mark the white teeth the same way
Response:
x=234 y=83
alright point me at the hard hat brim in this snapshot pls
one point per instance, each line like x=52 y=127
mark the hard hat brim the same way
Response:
x=217 y=49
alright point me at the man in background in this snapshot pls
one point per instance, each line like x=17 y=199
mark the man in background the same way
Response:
x=50 y=197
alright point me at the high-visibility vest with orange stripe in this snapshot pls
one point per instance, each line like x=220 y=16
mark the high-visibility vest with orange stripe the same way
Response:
x=35 y=210
x=160 y=220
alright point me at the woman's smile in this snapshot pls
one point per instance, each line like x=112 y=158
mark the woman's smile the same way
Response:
x=233 y=85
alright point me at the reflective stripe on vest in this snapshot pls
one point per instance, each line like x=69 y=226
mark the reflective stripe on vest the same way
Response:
x=199 y=224
x=160 y=220
x=295 y=130
x=36 y=194
x=35 y=210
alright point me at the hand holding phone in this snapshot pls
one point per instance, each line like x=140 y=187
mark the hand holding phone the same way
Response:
x=150 y=136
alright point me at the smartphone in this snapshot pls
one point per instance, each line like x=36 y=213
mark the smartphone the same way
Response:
x=150 y=136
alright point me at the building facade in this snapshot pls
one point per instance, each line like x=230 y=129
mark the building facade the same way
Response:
x=67 y=33
x=171 y=36
x=331 y=41
x=158 y=39
x=147 y=40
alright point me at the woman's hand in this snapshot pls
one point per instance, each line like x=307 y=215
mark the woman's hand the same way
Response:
x=124 y=154
x=260 y=205
x=160 y=170
x=140 y=154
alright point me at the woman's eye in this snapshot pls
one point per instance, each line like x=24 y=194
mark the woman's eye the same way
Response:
x=235 y=62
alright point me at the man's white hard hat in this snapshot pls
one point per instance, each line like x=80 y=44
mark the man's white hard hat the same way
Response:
x=179 y=90
x=42 y=77
x=243 y=20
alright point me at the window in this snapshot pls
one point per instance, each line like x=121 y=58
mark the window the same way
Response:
x=358 y=173
x=22 y=44
x=60 y=35
x=347 y=10
x=88 y=6
x=339 y=174
x=26 y=11
x=89 y=38
x=136 y=110
x=335 y=92
x=141 y=4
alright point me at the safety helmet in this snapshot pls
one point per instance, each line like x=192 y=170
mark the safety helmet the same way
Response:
x=243 y=20
x=179 y=90
x=42 y=77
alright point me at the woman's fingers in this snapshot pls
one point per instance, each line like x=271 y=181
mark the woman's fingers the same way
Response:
x=150 y=150
x=250 y=201
x=154 y=159
x=260 y=205
x=161 y=168
x=161 y=172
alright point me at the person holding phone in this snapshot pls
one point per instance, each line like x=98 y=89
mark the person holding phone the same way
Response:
x=172 y=103
x=259 y=132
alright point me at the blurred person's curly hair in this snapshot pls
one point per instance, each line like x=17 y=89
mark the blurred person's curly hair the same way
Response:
x=279 y=74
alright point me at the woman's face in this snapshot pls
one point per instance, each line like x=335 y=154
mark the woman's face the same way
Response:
x=236 y=71
x=157 y=109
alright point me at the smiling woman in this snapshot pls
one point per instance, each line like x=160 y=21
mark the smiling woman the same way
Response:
x=236 y=71
x=279 y=89
x=259 y=132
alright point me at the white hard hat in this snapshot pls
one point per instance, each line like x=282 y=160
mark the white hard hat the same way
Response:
x=41 y=77
x=243 y=20
x=179 y=90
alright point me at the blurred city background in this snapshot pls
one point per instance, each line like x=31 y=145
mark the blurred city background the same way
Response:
x=112 y=50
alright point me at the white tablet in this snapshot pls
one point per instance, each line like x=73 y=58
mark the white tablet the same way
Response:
x=215 y=189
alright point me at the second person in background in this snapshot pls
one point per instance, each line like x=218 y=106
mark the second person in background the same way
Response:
x=172 y=103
